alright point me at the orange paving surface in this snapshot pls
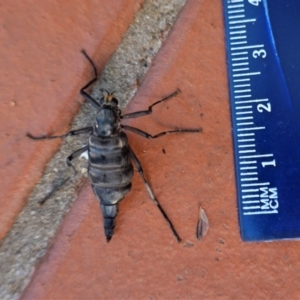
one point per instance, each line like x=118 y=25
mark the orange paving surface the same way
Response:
x=143 y=260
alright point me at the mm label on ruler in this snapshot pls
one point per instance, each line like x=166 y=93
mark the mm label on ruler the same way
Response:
x=263 y=46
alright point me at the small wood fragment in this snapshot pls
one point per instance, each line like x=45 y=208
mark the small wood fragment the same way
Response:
x=203 y=225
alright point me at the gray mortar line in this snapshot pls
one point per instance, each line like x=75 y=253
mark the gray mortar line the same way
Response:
x=35 y=227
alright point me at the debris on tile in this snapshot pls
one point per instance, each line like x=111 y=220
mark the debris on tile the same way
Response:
x=179 y=278
x=221 y=241
x=188 y=244
x=203 y=225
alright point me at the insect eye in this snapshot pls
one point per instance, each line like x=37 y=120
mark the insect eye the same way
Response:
x=114 y=100
x=101 y=100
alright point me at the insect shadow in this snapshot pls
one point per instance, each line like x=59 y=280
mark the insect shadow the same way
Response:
x=110 y=156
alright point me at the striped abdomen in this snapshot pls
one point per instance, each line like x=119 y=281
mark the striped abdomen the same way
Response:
x=110 y=171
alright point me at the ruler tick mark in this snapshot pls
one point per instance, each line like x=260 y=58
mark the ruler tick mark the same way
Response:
x=249 y=179
x=246 y=146
x=241 y=80
x=240 y=69
x=238 y=43
x=244 y=112
x=240 y=53
x=235 y=6
x=241 y=85
x=242 y=21
x=248 y=162
x=256 y=156
x=248 y=168
x=235 y=11
x=236 y=17
x=246 y=140
x=242 y=91
x=245 y=123
x=246 y=74
x=234 y=1
x=252 y=128
x=238 y=37
x=240 y=64
x=251 y=207
x=252 y=101
x=256 y=184
x=250 y=190
x=247 y=47
x=246 y=134
x=244 y=118
x=239 y=58
x=244 y=107
x=237 y=32
x=261 y=212
x=249 y=173
x=243 y=96
x=237 y=27
x=250 y=196
x=247 y=151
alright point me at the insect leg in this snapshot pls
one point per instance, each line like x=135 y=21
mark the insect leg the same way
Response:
x=85 y=95
x=149 y=110
x=91 y=62
x=70 y=133
x=149 y=136
x=61 y=184
x=75 y=154
x=151 y=194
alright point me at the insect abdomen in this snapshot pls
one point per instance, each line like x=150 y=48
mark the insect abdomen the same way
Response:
x=110 y=171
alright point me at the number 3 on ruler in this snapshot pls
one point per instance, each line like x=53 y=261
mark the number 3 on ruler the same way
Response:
x=259 y=53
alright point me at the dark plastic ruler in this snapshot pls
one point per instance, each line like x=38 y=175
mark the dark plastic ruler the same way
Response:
x=263 y=58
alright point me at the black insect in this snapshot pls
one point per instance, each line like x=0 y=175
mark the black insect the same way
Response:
x=109 y=154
